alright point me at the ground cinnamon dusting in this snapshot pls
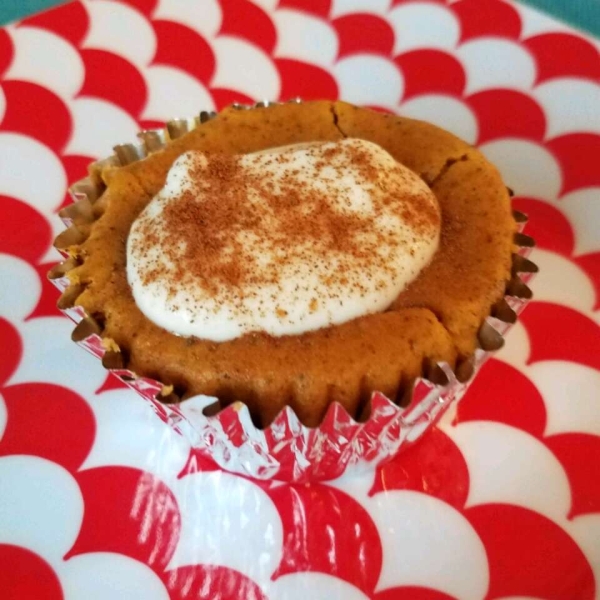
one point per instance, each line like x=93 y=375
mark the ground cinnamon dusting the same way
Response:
x=235 y=228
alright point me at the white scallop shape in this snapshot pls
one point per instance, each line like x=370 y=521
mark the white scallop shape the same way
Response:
x=345 y=7
x=102 y=575
x=41 y=507
x=582 y=208
x=243 y=67
x=570 y=393
x=304 y=37
x=37 y=52
x=423 y=25
x=561 y=281
x=18 y=155
x=129 y=434
x=120 y=29
x=218 y=510
x=369 y=79
x=203 y=17
x=266 y=5
x=570 y=105
x=585 y=530
x=527 y=167
x=300 y=586
x=450 y=113
x=534 y=22
x=98 y=125
x=517 y=347
x=416 y=530
x=173 y=93
x=21 y=288
x=525 y=472
x=49 y=356
x=496 y=63
x=3 y=416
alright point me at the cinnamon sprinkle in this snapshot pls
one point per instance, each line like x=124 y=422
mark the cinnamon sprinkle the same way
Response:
x=234 y=228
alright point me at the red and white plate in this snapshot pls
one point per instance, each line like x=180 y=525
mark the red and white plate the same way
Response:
x=100 y=499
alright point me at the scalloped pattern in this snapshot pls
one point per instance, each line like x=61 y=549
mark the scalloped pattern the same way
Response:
x=500 y=500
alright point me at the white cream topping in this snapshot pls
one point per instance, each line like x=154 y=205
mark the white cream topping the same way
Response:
x=283 y=241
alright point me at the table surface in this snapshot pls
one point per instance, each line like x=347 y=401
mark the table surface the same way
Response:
x=584 y=14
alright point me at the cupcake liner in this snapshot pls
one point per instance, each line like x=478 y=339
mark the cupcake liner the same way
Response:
x=285 y=450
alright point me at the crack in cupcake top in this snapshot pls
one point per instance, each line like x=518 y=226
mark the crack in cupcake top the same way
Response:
x=282 y=241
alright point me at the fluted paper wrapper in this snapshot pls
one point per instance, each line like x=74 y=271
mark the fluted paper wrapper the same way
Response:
x=286 y=449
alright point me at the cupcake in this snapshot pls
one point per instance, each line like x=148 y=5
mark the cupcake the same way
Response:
x=293 y=258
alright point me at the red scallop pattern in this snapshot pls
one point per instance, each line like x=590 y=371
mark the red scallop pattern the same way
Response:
x=320 y=8
x=572 y=337
x=11 y=350
x=145 y=6
x=362 y=32
x=503 y=394
x=577 y=56
x=48 y=431
x=435 y=467
x=224 y=97
x=26 y=575
x=303 y=80
x=487 y=18
x=148 y=506
x=6 y=50
x=427 y=71
x=347 y=524
x=126 y=88
x=70 y=22
x=527 y=554
x=180 y=46
x=37 y=112
x=574 y=450
x=507 y=113
x=246 y=20
x=576 y=152
x=548 y=226
x=544 y=562
x=32 y=235
x=209 y=581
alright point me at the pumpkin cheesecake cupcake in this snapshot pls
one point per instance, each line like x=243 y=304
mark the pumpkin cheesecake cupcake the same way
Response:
x=294 y=255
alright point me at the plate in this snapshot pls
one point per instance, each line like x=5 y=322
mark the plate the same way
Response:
x=100 y=499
